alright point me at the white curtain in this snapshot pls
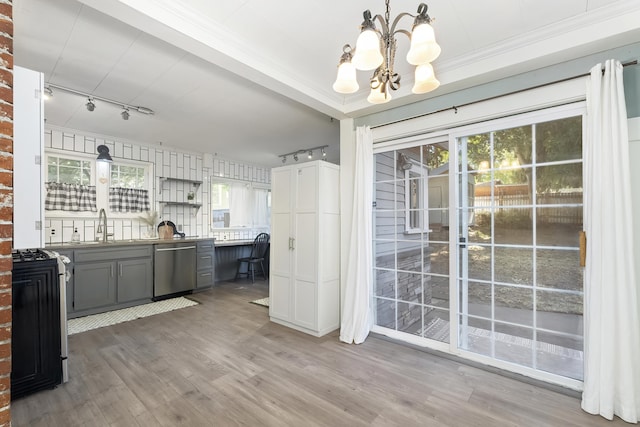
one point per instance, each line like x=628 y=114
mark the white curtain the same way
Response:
x=261 y=212
x=240 y=211
x=356 y=311
x=612 y=326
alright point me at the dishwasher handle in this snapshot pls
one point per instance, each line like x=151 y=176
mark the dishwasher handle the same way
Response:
x=181 y=248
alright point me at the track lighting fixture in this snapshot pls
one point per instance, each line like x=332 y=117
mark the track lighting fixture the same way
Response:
x=309 y=151
x=91 y=105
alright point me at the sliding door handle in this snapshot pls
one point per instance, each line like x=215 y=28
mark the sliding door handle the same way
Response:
x=583 y=249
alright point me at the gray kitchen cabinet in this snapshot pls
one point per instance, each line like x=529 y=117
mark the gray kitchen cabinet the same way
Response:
x=135 y=280
x=111 y=278
x=205 y=264
x=95 y=285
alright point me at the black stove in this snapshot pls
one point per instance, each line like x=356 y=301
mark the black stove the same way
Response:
x=26 y=255
x=37 y=323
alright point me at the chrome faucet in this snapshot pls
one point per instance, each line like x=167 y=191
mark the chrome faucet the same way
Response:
x=102 y=225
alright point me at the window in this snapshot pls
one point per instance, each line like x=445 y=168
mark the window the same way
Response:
x=69 y=184
x=128 y=190
x=416 y=193
x=69 y=170
x=415 y=196
x=128 y=176
x=239 y=204
x=78 y=183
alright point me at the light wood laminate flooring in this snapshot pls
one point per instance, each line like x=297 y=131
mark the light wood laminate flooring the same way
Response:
x=223 y=363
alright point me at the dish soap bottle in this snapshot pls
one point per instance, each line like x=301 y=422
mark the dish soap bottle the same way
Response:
x=75 y=237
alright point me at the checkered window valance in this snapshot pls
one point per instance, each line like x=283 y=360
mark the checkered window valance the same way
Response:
x=70 y=197
x=128 y=199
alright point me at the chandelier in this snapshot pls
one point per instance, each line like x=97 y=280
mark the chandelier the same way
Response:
x=376 y=50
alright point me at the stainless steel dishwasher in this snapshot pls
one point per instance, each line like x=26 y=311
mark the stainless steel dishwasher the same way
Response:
x=174 y=269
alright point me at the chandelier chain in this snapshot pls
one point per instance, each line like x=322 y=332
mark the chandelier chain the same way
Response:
x=387 y=14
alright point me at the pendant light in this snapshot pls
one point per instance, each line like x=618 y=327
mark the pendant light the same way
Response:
x=376 y=50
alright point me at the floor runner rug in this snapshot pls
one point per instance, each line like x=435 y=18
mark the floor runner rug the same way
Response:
x=263 y=302
x=94 y=321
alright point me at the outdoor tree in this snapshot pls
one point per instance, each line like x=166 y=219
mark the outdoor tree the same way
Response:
x=557 y=140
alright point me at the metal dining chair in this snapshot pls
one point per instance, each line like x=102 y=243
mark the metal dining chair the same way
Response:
x=257 y=257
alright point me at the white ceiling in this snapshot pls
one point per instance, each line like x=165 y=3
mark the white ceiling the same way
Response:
x=251 y=79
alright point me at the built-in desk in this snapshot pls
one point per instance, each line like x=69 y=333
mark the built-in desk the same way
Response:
x=227 y=254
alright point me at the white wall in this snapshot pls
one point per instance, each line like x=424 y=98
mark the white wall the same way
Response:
x=634 y=160
x=167 y=162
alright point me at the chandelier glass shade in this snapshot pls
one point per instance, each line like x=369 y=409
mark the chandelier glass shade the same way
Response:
x=346 y=81
x=376 y=50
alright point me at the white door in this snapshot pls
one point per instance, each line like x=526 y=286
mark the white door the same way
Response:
x=281 y=244
x=305 y=256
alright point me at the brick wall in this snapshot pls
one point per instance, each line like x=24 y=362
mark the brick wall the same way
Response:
x=414 y=288
x=6 y=204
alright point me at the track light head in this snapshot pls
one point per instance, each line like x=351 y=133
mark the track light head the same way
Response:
x=295 y=157
x=284 y=159
x=324 y=153
x=125 y=114
x=90 y=105
x=145 y=110
x=48 y=93
x=310 y=154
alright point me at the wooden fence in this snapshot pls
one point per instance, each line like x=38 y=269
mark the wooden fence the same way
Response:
x=555 y=208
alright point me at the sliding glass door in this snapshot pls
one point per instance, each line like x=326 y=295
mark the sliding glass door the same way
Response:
x=520 y=283
x=476 y=242
x=411 y=240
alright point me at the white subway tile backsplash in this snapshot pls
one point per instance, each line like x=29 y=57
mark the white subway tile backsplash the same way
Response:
x=78 y=143
x=47 y=139
x=68 y=142
x=56 y=140
x=167 y=163
x=118 y=150
x=90 y=145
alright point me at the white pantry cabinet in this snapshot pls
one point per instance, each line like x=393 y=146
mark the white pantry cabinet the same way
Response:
x=304 y=282
x=28 y=158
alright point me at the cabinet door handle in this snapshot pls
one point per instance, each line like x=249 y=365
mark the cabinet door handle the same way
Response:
x=111 y=269
x=293 y=243
x=120 y=270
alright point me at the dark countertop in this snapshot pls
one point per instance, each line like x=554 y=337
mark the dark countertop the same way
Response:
x=111 y=243
x=233 y=242
x=98 y=244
